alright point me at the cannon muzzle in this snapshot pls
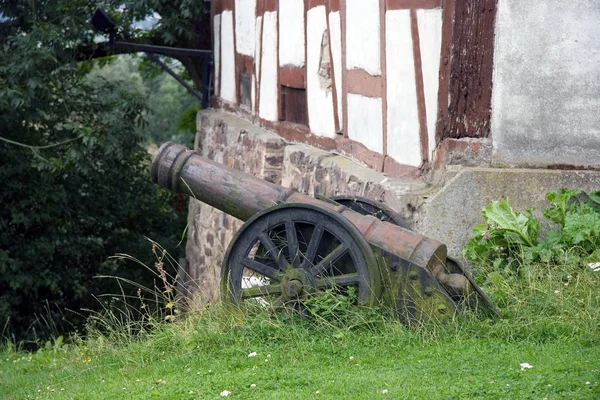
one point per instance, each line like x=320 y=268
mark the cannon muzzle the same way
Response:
x=238 y=194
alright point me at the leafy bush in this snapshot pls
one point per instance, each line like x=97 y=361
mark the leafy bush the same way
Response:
x=508 y=239
x=504 y=237
x=75 y=181
x=67 y=211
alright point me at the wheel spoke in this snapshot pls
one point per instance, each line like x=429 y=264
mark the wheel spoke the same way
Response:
x=292 y=243
x=273 y=250
x=331 y=258
x=339 y=280
x=313 y=245
x=259 y=291
x=261 y=268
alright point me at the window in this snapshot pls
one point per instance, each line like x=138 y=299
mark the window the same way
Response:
x=293 y=105
x=245 y=90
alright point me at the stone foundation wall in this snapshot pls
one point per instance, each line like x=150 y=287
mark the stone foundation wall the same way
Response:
x=319 y=173
x=238 y=144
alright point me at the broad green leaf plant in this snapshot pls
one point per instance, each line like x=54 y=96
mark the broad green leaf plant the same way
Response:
x=508 y=239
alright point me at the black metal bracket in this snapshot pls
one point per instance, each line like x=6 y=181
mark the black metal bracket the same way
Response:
x=103 y=23
x=151 y=50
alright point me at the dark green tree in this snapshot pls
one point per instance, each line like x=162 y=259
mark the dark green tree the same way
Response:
x=75 y=186
x=172 y=110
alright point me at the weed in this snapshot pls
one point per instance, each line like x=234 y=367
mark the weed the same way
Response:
x=124 y=317
x=509 y=239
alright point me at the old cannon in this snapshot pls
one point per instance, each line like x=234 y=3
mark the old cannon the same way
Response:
x=293 y=245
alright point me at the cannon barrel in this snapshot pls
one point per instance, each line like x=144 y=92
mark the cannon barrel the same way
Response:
x=242 y=195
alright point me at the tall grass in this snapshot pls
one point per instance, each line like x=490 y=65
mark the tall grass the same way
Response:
x=540 y=302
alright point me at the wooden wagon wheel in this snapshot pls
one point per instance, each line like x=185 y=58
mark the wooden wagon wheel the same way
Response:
x=291 y=250
x=365 y=206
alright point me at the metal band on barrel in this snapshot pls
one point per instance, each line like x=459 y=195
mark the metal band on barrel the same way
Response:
x=176 y=167
x=155 y=167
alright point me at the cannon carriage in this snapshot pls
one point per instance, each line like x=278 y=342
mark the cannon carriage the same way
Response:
x=293 y=245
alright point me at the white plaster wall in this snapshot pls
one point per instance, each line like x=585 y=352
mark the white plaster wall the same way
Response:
x=320 y=99
x=245 y=13
x=291 y=33
x=217 y=51
x=257 y=57
x=268 y=107
x=546 y=84
x=363 y=36
x=365 y=121
x=335 y=41
x=403 y=141
x=430 y=38
x=228 y=86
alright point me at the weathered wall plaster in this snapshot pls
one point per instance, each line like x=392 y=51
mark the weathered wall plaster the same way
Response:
x=319 y=96
x=245 y=12
x=546 y=88
x=291 y=33
x=363 y=35
x=217 y=51
x=294 y=37
x=365 y=121
x=335 y=40
x=430 y=38
x=269 y=87
x=403 y=141
x=228 y=86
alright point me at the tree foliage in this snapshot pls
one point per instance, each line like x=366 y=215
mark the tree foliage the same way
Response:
x=170 y=109
x=75 y=181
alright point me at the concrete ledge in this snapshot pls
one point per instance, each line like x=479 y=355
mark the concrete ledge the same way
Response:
x=450 y=214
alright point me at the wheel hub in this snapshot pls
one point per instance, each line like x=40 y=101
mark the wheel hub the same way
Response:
x=292 y=288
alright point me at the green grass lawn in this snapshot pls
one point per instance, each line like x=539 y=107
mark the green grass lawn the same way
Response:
x=308 y=364
x=549 y=320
